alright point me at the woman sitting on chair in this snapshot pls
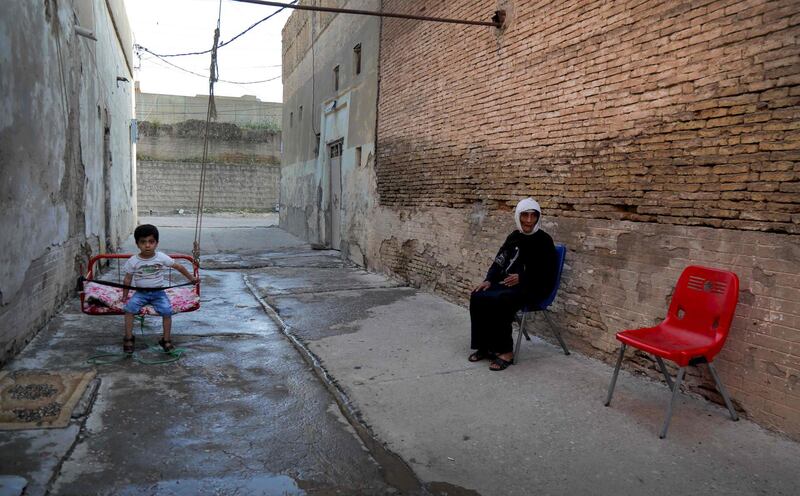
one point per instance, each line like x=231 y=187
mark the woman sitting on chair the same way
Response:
x=523 y=271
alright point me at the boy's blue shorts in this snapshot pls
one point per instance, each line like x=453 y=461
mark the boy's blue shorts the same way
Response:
x=158 y=299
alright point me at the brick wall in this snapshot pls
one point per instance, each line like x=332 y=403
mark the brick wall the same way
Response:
x=164 y=187
x=669 y=112
x=655 y=135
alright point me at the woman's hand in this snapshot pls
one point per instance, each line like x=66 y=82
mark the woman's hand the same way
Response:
x=511 y=280
x=482 y=286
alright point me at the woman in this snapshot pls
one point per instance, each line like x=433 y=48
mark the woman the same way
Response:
x=523 y=271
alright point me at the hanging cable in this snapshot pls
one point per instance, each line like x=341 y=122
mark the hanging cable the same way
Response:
x=205 y=76
x=211 y=114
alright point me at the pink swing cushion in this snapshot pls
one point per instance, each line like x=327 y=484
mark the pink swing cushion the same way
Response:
x=101 y=299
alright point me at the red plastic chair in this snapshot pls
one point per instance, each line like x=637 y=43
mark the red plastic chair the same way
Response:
x=693 y=332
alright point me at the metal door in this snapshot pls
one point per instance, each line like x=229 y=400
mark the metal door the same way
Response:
x=335 y=161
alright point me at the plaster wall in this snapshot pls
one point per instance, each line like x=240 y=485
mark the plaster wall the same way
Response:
x=65 y=152
x=313 y=106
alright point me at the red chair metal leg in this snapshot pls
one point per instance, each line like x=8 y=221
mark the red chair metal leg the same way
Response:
x=664 y=371
x=675 y=390
x=723 y=392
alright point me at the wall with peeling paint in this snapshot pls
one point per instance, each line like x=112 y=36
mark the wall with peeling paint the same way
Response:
x=65 y=152
x=312 y=106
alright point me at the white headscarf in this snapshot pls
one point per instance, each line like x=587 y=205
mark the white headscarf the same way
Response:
x=526 y=205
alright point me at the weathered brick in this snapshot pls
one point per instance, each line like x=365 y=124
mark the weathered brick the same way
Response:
x=666 y=147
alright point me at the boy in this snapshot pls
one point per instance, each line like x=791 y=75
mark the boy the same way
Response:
x=146 y=270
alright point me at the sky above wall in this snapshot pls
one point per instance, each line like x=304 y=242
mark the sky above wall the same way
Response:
x=180 y=26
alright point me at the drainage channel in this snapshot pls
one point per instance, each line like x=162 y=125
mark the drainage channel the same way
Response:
x=395 y=470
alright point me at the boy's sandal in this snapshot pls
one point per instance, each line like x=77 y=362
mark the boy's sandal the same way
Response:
x=499 y=364
x=480 y=355
x=128 y=344
x=166 y=345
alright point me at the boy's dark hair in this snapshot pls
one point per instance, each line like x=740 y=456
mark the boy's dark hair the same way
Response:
x=144 y=231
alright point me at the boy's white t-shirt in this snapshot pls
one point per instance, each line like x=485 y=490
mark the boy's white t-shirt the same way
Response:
x=148 y=272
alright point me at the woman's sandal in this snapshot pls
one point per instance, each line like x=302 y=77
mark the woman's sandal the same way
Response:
x=480 y=355
x=499 y=364
x=166 y=345
x=129 y=345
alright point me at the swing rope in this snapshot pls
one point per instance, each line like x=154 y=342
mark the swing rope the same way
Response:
x=210 y=114
x=175 y=354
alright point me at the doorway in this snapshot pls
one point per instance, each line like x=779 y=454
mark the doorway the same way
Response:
x=335 y=190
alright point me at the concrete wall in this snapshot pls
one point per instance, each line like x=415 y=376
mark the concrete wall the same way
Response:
x=246 y=110
x=65 y=153
x=313 y=106
x=242 y=167
x=655 y=135
x=227 y=143
x=165 y=187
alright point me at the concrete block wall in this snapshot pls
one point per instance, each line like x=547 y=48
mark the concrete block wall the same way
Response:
x=242 y=169
x=655 y=135
x=165 y=187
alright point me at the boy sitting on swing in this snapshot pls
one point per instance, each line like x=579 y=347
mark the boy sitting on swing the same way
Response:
x=146 y=270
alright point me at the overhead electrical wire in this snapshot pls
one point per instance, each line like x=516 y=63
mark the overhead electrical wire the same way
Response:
x=205 y=76
x=220 y=45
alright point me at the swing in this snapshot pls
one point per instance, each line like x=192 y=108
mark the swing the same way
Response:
x=103 y=296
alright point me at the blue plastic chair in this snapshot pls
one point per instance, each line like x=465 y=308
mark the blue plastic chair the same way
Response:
x=541 y=306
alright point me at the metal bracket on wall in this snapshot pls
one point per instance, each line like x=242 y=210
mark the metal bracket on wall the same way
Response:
x=81 y=31
x=497 y=20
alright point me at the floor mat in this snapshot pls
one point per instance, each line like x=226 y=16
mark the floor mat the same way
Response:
x=37 y=399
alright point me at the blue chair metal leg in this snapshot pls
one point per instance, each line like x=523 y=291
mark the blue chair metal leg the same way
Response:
x=557 y=333
x=616 y=372
x=519 y=336
x=675 y=391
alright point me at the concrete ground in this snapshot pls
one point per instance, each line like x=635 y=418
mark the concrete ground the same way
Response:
x=243 y=413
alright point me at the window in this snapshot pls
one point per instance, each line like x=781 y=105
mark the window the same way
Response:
x=336 y=78
x=316 y=150
x=357 y=59
x=300 y=114
x=336 y=149
x=358 y=156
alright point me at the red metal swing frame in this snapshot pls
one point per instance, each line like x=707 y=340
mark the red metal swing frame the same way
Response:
x=90 y=273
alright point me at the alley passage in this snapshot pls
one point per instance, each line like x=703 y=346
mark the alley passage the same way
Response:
x=240 y=413
x=243 y=413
